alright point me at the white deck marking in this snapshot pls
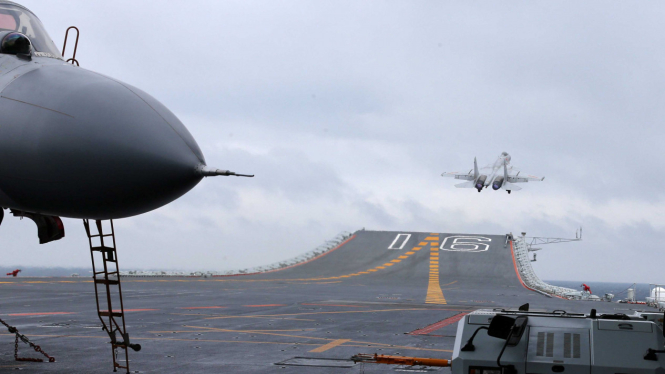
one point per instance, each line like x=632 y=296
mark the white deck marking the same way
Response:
x=397 y=239
x=462 y=243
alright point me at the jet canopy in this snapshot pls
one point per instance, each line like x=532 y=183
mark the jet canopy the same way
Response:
x=14 y=17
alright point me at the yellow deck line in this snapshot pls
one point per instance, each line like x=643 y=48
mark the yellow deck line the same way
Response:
x=330 y=345
x=434 y=292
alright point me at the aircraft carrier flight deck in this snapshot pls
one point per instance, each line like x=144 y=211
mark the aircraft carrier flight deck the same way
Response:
x=398 y=293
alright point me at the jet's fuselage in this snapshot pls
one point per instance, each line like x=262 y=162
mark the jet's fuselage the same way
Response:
x=496 y=169
x=79 y=144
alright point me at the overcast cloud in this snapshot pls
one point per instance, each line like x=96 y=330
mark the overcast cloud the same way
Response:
x=348 y=112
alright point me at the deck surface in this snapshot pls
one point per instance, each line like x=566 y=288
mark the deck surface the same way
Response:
x=380 y=292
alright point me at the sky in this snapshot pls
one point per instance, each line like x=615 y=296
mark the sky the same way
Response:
x=349 y=111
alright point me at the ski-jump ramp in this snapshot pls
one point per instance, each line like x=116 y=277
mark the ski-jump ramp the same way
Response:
x=418 y=267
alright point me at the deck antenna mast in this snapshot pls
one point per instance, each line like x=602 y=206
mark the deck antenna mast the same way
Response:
x=531 y=241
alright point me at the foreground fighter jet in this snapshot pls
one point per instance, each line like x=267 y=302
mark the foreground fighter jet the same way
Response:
x=499 y=175
x=75 y=143
x=78 y=144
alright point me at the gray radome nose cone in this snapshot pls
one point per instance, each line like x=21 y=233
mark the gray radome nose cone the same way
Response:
x=102 y=148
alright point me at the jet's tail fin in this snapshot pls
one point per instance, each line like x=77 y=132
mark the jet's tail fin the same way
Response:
x=475 y=169
x=470 y=184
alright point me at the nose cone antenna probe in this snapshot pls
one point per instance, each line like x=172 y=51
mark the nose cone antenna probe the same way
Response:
x=207 y=171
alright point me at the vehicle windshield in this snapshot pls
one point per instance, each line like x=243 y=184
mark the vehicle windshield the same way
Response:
x=16 y=18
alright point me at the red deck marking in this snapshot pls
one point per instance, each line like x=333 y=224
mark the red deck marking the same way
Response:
x=438 y=325
x=258 y=306
x=350 y=306
x=39 y=314
x=512 y=252
x=203 y=307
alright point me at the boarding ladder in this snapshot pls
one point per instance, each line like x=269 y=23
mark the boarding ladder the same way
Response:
x=102 y=246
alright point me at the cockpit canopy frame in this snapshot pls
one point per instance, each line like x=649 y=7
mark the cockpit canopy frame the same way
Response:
x=17 y=18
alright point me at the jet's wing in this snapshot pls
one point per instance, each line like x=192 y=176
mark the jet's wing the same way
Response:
x=469 y=184
x=517 y=178
x=464 y=176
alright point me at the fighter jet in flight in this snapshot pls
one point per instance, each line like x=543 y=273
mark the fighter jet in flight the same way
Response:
x=500 y=175
x=78 y=144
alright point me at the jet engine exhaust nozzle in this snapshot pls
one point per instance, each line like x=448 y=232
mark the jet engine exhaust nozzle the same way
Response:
x=498 y=182
x=480 y=183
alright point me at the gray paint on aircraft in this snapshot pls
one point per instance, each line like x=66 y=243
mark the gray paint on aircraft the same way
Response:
x=77 y=144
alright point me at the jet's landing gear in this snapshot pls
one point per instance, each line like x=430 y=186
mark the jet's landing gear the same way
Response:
x=508 y=192
x=102 y=248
